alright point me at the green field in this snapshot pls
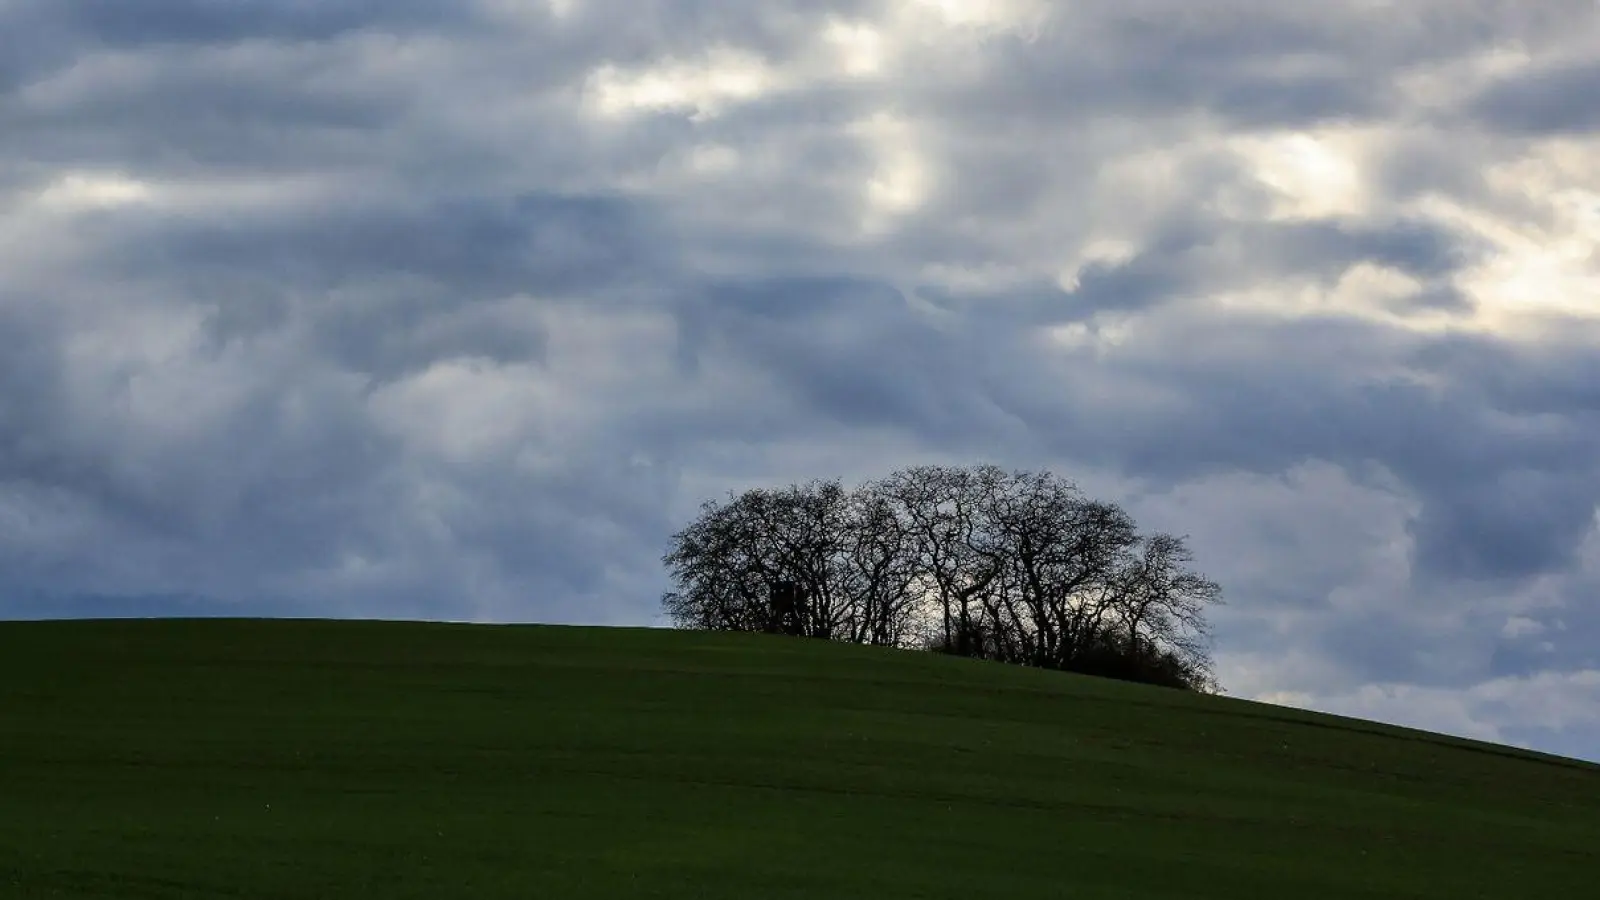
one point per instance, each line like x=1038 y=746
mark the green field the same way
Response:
x=297 y=759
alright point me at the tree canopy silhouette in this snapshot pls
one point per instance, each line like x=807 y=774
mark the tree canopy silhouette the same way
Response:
x=1016 y=567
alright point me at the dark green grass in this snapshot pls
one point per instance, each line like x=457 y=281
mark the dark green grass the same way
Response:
x=297 y=759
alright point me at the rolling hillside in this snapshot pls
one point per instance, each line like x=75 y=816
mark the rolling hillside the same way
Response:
x=295 y=759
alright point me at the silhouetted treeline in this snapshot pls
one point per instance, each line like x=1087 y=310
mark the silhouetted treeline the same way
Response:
x=1016 y=567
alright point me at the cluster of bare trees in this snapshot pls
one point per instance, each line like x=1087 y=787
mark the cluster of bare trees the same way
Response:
x=1017 y=567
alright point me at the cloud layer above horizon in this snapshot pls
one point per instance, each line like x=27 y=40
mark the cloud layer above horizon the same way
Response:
x=459 y=310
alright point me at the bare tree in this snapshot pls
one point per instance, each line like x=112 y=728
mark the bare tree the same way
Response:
x=881 y=572
x=725 y=569
x=1017 y=567
x=1063 y=550
x=805 y=531
x=942 y=509
x=811 y=560
x=1165 y=602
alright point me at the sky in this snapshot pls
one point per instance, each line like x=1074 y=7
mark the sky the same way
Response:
x=457 y=310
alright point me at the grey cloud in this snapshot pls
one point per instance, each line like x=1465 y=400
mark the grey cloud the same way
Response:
x=1328 y=248
x=1392 y=644
x=1192 y=255
x=1158 y=273
x=1556 y=376
x=1245 y=99
x=628 y=31
x=407 y=282
x=119 y=25
x=1187 y=259
x=1438 y=297
x=849 y=351
x=1501 y=499
x=41 y=442
x=1247 y=64
x=1485 y=513
x=391 y=340
x=1511 y=524
x=1561 y=99
x=465 y=352
x=125 y=606
x=1417 y=165
x=179 y=116
x=1566 y=637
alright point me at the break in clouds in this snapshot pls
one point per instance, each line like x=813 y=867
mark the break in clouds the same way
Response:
x=458 y=310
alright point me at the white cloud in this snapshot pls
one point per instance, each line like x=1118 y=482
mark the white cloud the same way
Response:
x=982 y=16
x=1314 y=175
x=701 y=87
x=74 y=191
x=899 y=181
x=859 y=46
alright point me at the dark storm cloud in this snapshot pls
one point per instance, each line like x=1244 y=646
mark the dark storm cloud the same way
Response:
x=42 y=37
x=1190 y=257
x=851 y=352
x=1516 y=524
x=115 y=24
x=1505 y=494
x=279 y=474
x=1556 y=376
x=411 y=282
x=472 y=245
x=391 y=309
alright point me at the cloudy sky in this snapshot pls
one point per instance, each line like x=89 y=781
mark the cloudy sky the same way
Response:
x=457 y=310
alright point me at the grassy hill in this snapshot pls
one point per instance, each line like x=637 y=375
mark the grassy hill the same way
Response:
x=296 y=759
